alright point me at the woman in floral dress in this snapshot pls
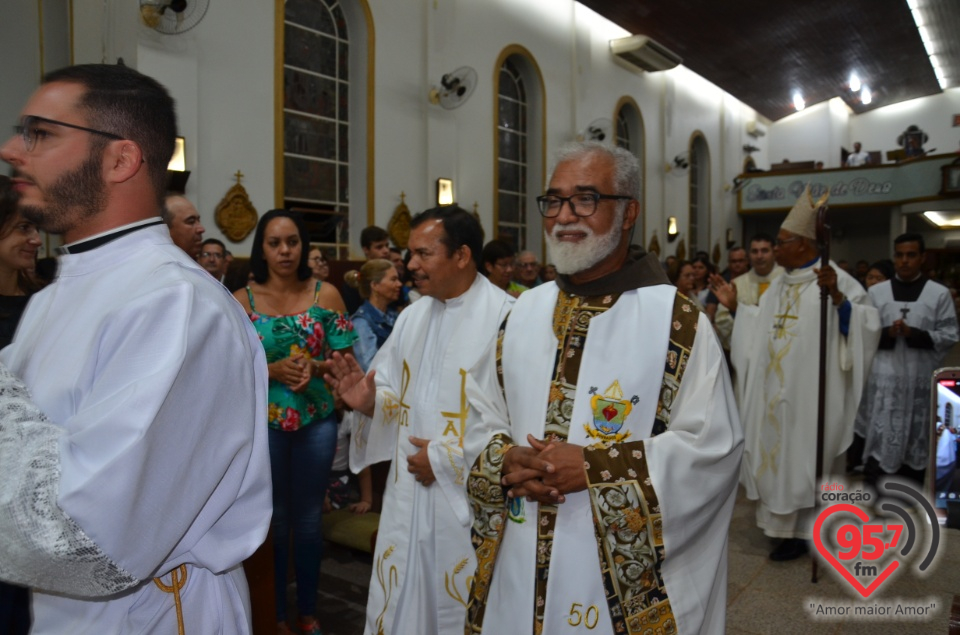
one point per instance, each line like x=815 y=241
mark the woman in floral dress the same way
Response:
x=298 y=318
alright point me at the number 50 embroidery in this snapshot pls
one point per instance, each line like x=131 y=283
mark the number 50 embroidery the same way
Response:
x=588 y=618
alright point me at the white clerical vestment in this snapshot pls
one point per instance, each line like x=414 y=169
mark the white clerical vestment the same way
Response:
x=155 y=385
x=678 y=486
x=775 y=351
x=424 y=558
x=893 y=417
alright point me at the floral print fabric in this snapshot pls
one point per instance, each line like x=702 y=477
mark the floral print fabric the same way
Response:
x=310 y=333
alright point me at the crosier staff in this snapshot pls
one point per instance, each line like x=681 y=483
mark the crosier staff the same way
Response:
x=823 y=242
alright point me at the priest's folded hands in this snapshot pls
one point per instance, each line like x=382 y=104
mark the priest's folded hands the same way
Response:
x=545 y=471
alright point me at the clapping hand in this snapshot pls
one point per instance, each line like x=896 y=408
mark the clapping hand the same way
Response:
x=726 y=292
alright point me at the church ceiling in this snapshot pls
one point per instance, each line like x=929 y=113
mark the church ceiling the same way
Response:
x=763 y=51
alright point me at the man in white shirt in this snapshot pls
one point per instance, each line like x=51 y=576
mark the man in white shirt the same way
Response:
x=137 y=479
x=858 y=157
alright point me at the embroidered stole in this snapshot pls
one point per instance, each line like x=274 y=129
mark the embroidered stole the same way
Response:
x=601 y=418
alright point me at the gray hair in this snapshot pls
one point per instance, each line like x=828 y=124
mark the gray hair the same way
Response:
x=626 y=167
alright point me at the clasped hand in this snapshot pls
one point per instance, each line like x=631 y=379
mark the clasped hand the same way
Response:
x=294 y=371
x=545 y=471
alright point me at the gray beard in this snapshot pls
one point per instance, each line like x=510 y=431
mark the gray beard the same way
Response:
x=571 y=258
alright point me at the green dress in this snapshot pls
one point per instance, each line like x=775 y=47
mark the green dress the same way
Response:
x=310 y=333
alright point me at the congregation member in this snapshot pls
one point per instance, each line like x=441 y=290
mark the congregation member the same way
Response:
x=412 y=409
x=319 y=265
x=19 y=243
x=746 y=288
x=737 y=265
x=527 y=270
x=880 y=271
x=213 y=258
x=375 y=243
x=919 y=328
x=396 y=257
x=296 y=317
x=379 y=285
x=136 y=480
x=548 y=273
x=858 y=157
x=183 y=221
x=687 y=282
x=633 y=437
x=702 y=270
x=499 y=265
x=774 y=349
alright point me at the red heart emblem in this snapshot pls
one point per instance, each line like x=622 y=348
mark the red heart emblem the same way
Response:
x=829 y=557
x=609 y=412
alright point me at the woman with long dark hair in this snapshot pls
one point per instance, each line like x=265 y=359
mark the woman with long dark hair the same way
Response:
x=298 y=319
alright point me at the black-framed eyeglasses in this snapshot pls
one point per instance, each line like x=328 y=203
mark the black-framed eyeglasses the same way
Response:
x=783 y=241
x=582 y=204
x=30 y=130
x=212 y=254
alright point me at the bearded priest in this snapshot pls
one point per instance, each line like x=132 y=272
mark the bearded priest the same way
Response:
x=614 y=419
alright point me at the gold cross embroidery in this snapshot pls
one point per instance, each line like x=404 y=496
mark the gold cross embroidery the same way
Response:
x=781 y=325
x=404 y=415
x=464 y=410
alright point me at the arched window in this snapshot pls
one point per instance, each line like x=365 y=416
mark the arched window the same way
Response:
x=630 y=136
x=316 y=119
x=623 y=129
x=512 y=158
x=519 y=149
x=699 y=194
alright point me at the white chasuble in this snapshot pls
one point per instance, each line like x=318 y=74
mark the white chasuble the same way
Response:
x=893 y=416
x=775 y=351
x=424 y=560
x=662 y=511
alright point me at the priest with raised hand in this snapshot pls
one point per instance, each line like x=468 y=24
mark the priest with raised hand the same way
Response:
x=774 y=350
x=614 y=419
x=412 y=409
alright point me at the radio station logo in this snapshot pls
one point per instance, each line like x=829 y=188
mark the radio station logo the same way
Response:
x=866 y=548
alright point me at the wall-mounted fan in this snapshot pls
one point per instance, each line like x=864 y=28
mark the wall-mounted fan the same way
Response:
x=172 y=17
x=679 y=165
x=599 y=130
x=739 y=182
x=455 y=88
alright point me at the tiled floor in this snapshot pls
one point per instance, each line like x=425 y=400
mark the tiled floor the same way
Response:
x=763 y=597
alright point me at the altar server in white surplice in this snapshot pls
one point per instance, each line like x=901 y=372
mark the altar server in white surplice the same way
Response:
x=775 y=351
x=920 y=326
x=139 y=480
x=616 y=418
x=412 y=409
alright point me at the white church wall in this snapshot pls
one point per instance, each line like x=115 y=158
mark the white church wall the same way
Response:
x=879 y=129
x=802 y=136
x=221 y=75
